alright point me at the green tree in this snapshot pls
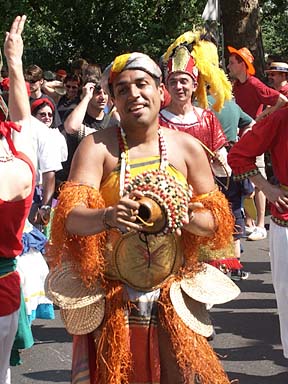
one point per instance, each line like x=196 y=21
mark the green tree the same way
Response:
x=274 y=21
x=241 y=26
x=59 y=31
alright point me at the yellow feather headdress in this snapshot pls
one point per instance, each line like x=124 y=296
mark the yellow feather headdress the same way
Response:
x=206 y=59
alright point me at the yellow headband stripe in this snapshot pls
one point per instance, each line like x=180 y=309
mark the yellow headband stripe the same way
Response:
x=120 y=62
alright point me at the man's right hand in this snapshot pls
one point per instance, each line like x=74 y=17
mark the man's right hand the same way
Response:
x=87 y=90
x=277 y=196
x=123 y=215
x=13 y=46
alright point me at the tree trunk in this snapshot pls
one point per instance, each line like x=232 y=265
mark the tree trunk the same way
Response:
x=241 y=28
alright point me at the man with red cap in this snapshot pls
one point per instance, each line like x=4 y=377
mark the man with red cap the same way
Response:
x=252 y=95
x=61 y=74
x=182 y=81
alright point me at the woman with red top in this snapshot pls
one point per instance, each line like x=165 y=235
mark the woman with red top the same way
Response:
x=17 y=170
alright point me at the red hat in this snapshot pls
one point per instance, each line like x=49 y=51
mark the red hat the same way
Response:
x=182 y=61
x=246 y=56
x=41 y=101
x=61 y=72
x=5 y=84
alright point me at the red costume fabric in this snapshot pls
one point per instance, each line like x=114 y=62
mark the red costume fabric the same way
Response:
x=270 y=134
x=252 y=95
x=13 y=214
x=206 y=128
x=284 y=90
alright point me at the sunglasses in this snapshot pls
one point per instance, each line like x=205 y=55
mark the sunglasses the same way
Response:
x=97 y=89
x=71 y=86
x=44 y=114
x=32 y=81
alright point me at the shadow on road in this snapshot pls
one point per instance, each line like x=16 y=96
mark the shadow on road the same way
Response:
x=281 y=378
x=54 y=376
x=50 y=335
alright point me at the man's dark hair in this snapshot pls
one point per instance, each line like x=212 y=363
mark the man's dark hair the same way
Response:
x=33 y=73
x=72 y=77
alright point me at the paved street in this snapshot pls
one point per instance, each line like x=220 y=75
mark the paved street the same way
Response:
x=247 y=334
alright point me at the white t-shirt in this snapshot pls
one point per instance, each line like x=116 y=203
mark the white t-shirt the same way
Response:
x=50 y=146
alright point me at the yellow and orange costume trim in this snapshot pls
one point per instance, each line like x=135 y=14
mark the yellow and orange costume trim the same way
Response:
x=113 y=355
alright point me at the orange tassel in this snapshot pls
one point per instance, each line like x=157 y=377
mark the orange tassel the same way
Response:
x=113 y=358
x=193 y=353
x=218 y=205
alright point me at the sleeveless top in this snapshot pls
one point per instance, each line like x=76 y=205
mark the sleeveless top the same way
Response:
x=13 y=215
x=141 y=261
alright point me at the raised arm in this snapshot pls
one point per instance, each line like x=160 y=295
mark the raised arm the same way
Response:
x=74 y=121
x=19 y=107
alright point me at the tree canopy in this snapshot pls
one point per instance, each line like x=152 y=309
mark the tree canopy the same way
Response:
x=57 y=32
x=274 y=27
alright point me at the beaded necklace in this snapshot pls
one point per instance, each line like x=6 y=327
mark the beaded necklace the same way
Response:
x=6 y=158
x=125 y=162
x=159 y=185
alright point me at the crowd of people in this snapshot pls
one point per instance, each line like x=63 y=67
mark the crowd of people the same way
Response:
x=125 y=191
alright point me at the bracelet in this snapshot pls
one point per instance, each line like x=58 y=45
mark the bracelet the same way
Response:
x=104 y=220
x=45 y=207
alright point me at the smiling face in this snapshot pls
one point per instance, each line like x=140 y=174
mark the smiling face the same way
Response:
x=276 y=78
x=45 y=115
x=72 y=88
x=137 y=98
x=181 y=87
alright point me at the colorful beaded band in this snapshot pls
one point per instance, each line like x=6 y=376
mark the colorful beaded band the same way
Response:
x=245 y=175
x=282 y=223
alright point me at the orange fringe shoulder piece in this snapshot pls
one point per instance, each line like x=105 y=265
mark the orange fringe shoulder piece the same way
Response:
x=217 y=203
x=84 y=252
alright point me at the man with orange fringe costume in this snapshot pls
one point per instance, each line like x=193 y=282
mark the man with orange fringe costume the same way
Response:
x=129 y=223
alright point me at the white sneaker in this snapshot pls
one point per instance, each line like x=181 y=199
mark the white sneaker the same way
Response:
x=259 y=233
x=249 y=230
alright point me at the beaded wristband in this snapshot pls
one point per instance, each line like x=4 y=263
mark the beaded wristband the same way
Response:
x=104 y=220
x=45 y=207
